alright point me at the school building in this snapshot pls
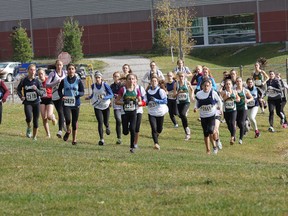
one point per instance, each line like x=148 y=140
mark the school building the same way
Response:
x=125 y=25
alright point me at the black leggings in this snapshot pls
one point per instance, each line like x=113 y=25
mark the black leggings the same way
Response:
x=75 y=114
x=59 y=108
x=102 y=116
x=241 y=118
x=272 y=104
x=117 y=116
x=32 y=110
x=183 y=108
x=138 y=122
x=156 y=124
x=129 y=124
x=173 y=110
x=230 y=118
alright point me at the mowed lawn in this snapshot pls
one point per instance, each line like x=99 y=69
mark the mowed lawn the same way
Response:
x=52 y=177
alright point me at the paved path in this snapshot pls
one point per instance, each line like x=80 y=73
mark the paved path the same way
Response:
x=138 y=64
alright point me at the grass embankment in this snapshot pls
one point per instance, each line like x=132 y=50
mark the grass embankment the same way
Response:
x=219 y=59
x=51 y=177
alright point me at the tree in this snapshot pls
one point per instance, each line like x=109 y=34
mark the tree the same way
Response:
x=171 y=17
x=21 y=45
x=72 y=35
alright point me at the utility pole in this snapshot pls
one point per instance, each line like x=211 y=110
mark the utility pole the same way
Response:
x=31 y=25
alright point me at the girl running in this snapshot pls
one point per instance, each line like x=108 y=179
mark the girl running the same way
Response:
x=115 y=87
x=129 y=98
x=157 y=108
x=260 y=78
x=53 y=81
x=274 y=94
x=172 y=103
x=253 y=105
x=29 y=91
x=4 y=93
x=70 y=90
x=206 y=101
x=181 y=68
x=46 y=104
x=206 y=75
x=126 y=69
x=181 y=91
x=230 y=97
x=284 y=86
x=241 y=106
x=101 y=99
x=196 y=74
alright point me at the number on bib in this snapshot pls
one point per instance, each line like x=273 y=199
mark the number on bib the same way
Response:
x=69 y=101
x=31 y=96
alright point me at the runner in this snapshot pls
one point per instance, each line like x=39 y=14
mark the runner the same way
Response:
x=230 y=97
x=181 y=91
x=46 y=104
x=29 y=91
x=4 y=93
x=274 y=94
x=181 y=68
x=129 y=98
x=207 y=100
x=101 y=99
x=284 y=87
x=126 y=69
x=172 y=103
x=153 y=70
x=196 y=74
x=70 y=90
x=115 y=87
x=53 y=81
x=206 y=75
x=241 y=106
x=253 y=105
x=157 y=108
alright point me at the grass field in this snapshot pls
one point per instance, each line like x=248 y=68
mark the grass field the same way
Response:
x=51 y=177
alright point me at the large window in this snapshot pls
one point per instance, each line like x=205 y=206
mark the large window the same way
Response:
x=224 y=29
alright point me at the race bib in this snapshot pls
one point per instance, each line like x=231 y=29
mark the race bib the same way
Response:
x=182 y=96
x=251 y=103
x=69 y=101
x=152 y=104
x=31 y=96
x=131 y=106
x=206 y=108
x=229 y=104
x=258 y=82
x=170 y=95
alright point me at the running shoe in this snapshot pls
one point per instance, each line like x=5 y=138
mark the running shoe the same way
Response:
x=136 y=146
x=156 y=146
x=176 y=126
x=108 y=131
x=215 y=150
x=119 y=141
x=34 y=138
x=28 y=132
x=240 y=141
x=59 y=134
x=284 y=125
x=271 y=129
x=257 y=133
x=66 y=136
x=101 y=142
x=74 y=143
x=187 y=137
x=132 y=150
x=219 y=144
x=232 y=140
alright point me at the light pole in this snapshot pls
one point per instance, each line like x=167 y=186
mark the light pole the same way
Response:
x=31 y=26
x=180 y=42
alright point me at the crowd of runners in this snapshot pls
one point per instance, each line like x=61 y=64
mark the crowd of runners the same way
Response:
x=235 y=101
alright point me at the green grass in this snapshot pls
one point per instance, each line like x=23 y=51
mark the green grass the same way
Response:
x=51 y=177
x=219 y=59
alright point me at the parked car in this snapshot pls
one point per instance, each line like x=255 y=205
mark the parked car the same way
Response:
x=21 y=70
x=8 y=68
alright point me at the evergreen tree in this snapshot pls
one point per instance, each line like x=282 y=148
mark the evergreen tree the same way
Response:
x=21 y=45
x=72 y=34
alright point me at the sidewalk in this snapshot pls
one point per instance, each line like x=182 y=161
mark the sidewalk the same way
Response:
x=138 y=64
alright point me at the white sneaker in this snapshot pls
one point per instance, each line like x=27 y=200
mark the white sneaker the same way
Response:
x=59 y=134
x=271 y=129
x=219 y=144
x=156 y=146
x=176 y=126
x=240 y=142
x=215 y=150
x=187 y=137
